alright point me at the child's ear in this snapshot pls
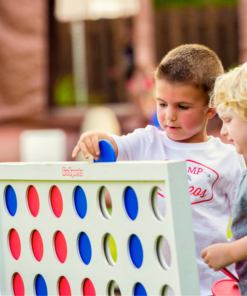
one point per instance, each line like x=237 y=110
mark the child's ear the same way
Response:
x=210 y=113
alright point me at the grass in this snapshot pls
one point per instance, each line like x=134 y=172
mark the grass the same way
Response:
x=113 y=247
x=180 y=4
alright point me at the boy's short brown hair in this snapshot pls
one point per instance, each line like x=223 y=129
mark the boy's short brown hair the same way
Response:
x=191 y=64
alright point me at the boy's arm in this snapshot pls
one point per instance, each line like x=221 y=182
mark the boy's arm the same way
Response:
x=89 y=144
x=219 y=256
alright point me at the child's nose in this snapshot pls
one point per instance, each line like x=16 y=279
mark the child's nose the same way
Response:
x=223 y=131
x=171 y=114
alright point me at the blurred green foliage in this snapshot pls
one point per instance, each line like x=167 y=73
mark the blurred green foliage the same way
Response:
x=64 y=94
x=233 y=66
x=179 y=4
x=113 y=249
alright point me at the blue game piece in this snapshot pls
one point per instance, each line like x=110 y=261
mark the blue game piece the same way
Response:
x=80 y=202
x=136 y=251
x=154 y=120
x=11 y=200
x=140 y=290
x=40 y=286
x=131 y=203
x=107 y=153
x=85 y=248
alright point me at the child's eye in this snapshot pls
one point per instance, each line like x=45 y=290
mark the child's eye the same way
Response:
x=183 y=107
x=162 y=105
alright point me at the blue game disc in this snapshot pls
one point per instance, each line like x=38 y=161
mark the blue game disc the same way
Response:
x=136 y=251
x=85 y=248
x=154 y=121
x=11 y=201
x=107 y=153
x=140 y=290
x=80 y=202
x=40 y=286
x=131 y=203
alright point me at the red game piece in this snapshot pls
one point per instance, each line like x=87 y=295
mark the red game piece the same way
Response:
x=225 y=287
x=37 y=245
x=15 y=244
x=88 y=288
x=61 y=247
x=33 y=201
x=56 y=201
x=64 y=287
x=228 y=273
x=18 y=285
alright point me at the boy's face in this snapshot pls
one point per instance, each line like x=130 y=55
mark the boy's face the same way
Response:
x=235 y=129
x=182 y=111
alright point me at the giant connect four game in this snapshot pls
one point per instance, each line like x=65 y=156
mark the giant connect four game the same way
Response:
x=55 y=229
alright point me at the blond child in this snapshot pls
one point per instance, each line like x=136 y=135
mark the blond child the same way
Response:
x=230 y=98
x=183 y=81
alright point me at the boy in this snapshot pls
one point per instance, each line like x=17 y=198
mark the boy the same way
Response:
x=230 y=97
x=184 y=79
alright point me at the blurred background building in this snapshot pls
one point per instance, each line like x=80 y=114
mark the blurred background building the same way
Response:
x=36 y=69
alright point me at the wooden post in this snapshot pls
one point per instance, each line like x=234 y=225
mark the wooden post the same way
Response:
x=242 y=18
x=79 y=61
x=118 y=35
x=144 y=38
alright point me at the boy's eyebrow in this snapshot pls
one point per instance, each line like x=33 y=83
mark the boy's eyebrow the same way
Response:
x=182 y=102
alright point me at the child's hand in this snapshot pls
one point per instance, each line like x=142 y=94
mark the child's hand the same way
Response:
x=217 y=256
x=88 y=144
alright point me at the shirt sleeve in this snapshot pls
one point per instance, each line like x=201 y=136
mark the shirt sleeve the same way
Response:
x=237 y=169
x=241 y=162
x=134 y=146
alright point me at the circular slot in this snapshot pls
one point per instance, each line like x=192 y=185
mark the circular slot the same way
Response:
x=88 y=288
x=60 y=246
x=136 y=251
x=105 y=202
x=85 y=248
x=14 y=244
x=131 y=202
x=33 y=200
x=64 y=287
x=40 y=286
x=163 y=252
x=158 y=203
x=80 y=202
x=56 y=201
x=113 y=289
x=139 y=290
x=11 y=200
x=167 y=291
x=110 y=249
x=18 y=285
x=37 y=245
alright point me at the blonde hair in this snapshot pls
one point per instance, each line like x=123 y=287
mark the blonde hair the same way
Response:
x=230 y=91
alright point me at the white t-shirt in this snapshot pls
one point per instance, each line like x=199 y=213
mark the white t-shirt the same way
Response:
x=214 y=171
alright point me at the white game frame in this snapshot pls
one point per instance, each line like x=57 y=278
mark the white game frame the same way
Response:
x=143 y=177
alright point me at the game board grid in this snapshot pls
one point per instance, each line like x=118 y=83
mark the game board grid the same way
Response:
x=107 y=226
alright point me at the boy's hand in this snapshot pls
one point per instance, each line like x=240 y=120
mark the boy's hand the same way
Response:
x=88 y=144
x=217 y=256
